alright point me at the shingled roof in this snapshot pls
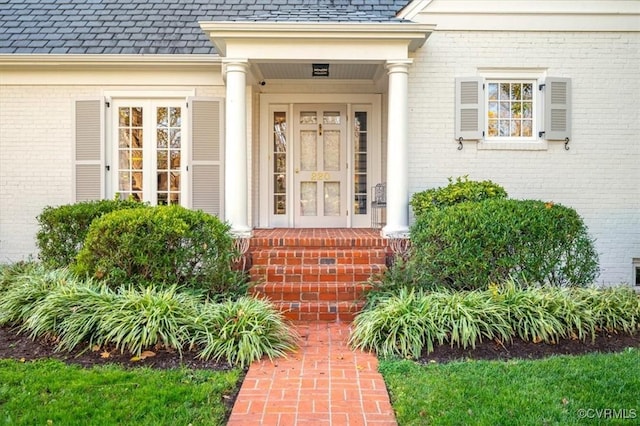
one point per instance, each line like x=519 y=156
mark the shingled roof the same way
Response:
x=158 y=26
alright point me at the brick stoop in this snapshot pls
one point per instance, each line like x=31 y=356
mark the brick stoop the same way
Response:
x=316 y=274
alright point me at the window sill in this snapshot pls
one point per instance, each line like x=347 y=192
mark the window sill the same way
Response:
x=513 y=145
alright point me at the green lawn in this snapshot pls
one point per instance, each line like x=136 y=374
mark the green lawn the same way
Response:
x=52 y=393
x=563 y=390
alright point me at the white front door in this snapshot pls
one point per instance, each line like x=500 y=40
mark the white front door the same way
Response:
x=320 y=166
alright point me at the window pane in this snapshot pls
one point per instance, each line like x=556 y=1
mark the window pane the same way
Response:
x=504 y=129
x=504 y=91
x=161 y=136
x=163 y=199
x=136 y=138
x=124 y=162
x=175 y=160
x=527 y=91
x=505 y=111
x=308 y=117
x=163 y=181
x=136 y=117
x=527 y=109
x=163 y=164
x=493 y=110
x=124 y=115
x=175 y=117
x=493 y=127
x=331 y=117
x=162 y=119
x=493 y=91
x=527 y=128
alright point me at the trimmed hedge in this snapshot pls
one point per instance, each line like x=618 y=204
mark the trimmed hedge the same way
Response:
x=63 y=229
x=161 y=246
x=456 y=192
x=470 y=245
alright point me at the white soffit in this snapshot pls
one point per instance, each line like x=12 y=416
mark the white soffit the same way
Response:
x=526 y=15
x=316 y=41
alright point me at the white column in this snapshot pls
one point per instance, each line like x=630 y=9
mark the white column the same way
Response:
x=236 y=188
x=397 y=150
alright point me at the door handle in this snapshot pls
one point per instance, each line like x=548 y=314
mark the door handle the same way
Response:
x=320 y=129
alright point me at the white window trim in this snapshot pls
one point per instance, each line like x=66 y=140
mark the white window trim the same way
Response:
x=535 y=143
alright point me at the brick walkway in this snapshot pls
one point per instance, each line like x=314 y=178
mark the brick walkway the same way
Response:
x=324 y=383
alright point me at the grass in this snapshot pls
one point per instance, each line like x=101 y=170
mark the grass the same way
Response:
x=51 y=393
x=560 y=390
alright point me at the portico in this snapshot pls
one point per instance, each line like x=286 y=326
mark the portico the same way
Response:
x=270 y=65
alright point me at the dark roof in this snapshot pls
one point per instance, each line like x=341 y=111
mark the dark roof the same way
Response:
x=158 y=26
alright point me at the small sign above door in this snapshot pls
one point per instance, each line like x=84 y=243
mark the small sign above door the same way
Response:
x=320 y=70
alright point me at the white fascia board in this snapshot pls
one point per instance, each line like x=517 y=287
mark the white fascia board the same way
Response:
x=276 y=40
x=525 y=15
x=412 y=9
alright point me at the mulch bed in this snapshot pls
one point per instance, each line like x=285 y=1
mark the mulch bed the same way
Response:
x=22 y=347
x=495 y=350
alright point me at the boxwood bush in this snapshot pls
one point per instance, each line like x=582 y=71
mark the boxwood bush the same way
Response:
x=456 y=192
x=161 y=246
x=469 y=245
x=63 y=229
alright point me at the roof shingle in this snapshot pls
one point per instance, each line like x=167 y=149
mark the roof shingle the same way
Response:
x=158 y=26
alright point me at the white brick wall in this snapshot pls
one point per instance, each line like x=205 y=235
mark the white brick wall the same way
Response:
x=599 y=176
x=36 y=143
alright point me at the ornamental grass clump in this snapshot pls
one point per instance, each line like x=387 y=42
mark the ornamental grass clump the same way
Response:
x=528 y=312
x=25 y=291
x=399 y=325
x=73 y=312
x=242 y=331
x=410 y=322
x=143 y=318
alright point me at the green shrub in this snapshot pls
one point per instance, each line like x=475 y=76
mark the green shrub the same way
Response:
x=461 y=190
x=471 y=245
x=63 y=229
x=161 y=246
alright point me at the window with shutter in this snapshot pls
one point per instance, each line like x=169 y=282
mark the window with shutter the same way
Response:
x=207 y=183
x=89 y=150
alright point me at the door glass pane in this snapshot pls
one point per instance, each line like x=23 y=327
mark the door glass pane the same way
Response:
x=360 y=177
x=332 y=150
x=308 y=150
x=279 y=163
x=130 y=159
x=332 y=198
x=331 y=117
x=169 y=154
x=308 y=117
x=308 y=198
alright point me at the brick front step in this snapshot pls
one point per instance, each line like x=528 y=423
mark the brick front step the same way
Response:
x=319 y=311
x=313 y=256
x=311 y=292
x=316 y=274
x=353 y=274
